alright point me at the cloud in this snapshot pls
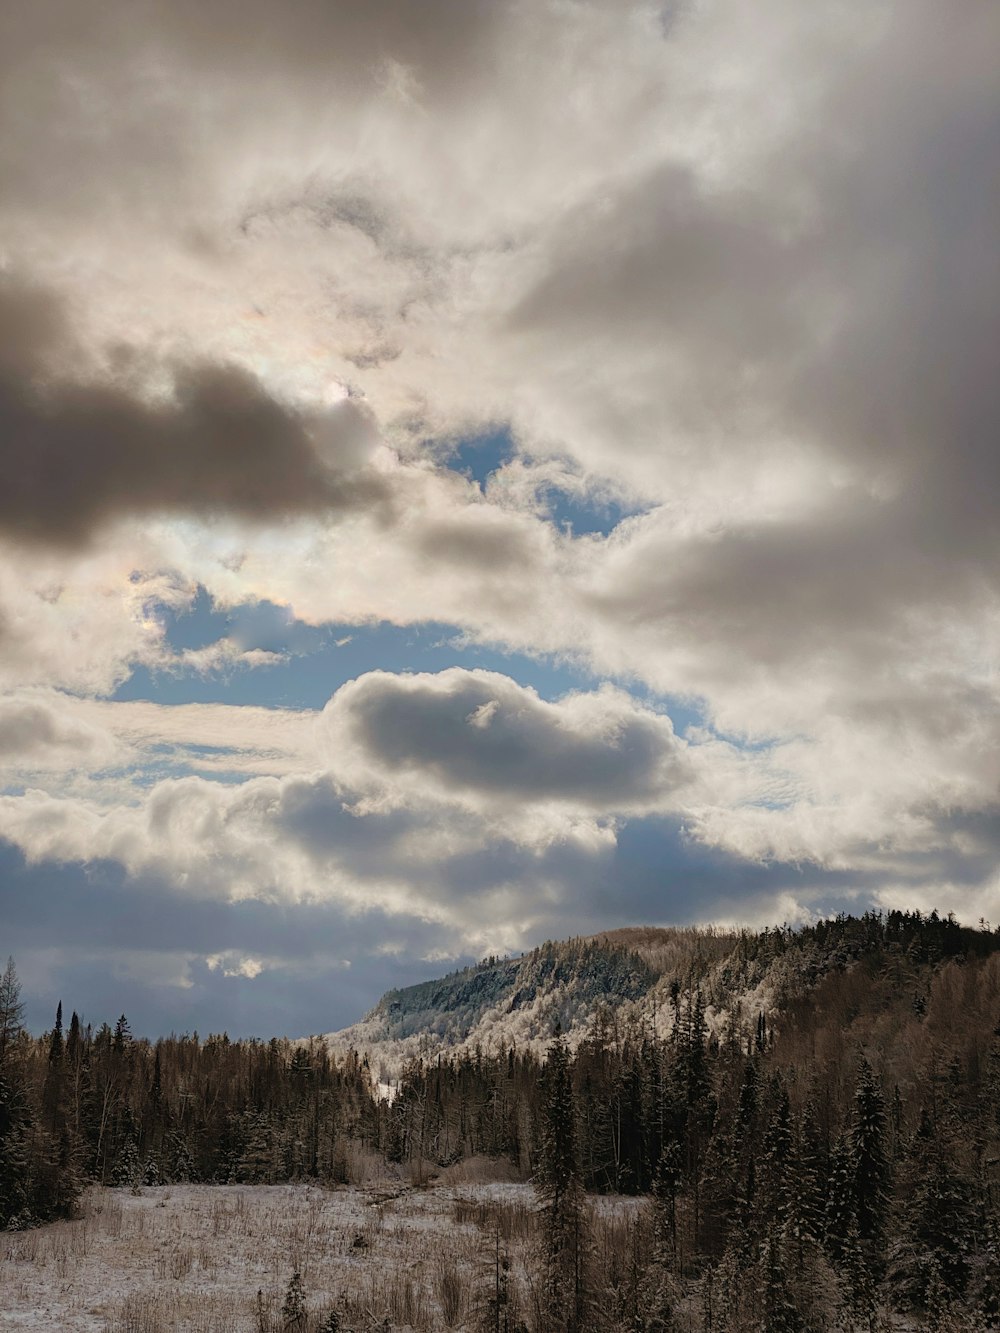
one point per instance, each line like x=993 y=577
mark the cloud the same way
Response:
x=105 y=942
x=77 y=452
x=738 y=269
x=41 y=732
x=478 y=736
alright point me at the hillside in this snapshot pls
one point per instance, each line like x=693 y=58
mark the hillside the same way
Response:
x=500 y=1002
x=629 y=975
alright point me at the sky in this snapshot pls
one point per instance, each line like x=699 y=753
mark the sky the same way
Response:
x=482 y=471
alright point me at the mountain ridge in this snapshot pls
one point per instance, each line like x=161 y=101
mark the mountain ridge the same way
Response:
x=632 y=976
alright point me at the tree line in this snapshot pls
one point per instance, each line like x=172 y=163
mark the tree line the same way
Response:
x=826 y=1148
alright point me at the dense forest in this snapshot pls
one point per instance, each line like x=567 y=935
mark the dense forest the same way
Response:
x=821 y=1160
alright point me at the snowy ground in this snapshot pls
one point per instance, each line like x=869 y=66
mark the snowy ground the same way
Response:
x=194 y=1257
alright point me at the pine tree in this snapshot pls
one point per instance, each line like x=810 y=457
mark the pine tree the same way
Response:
x=857 y=1279
x=987 y=1292
x=774 y=1190
x=869 y=1159
x=780 y=1314
x=11 y=1011
x=839 y=1220
x=182 y=1164
x=937 y=1300
x=805 y=1194
x=54 y=1087
x=56 y=1041
x=293 y=1311
x=558 y=1185
x=15 y=1156
x=666 y=1184
x=936 y=1233
x=659 y=1291
x=128 y=1168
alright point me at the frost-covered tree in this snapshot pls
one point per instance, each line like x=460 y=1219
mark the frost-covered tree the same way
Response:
x=561 y=1198
x=936 y=1236
x=293 y=1309
x=779 y=1313
x=128 y=1168
x=11 y=1011
x=839 y=1218
x=15 y=1153
x=869 y=1156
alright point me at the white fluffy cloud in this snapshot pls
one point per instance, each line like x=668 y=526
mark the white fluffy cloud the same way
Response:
x=733 y=269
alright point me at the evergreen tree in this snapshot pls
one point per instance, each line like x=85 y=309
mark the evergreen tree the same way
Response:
x=869 y=1159
x=987 y=1288
x=127 y=1172
x=293 y=1310
x=558 y=1185
x=779 y=1314
x=15 y=1156
x=937 y=1230
x=774 y=1189
x=858 y=1284
x=11 y=1011
x=839 y=1219
x=666 y=1184
x=805 y=1190
x=54 y=1086
x=56 y=1041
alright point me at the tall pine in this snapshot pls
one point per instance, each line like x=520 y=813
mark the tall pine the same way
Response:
x=560 y=1192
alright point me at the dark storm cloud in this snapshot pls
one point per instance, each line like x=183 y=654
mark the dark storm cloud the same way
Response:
x=75 y=453
x=481 y=733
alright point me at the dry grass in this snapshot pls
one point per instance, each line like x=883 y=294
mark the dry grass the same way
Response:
x=218 y=1259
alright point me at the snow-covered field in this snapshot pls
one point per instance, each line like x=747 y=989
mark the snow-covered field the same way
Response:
x=194 y=1257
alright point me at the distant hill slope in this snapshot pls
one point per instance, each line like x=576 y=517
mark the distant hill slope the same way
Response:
x=627 y=976
x=518 y=1001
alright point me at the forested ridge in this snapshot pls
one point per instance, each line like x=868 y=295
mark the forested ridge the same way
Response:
x=814 y=1115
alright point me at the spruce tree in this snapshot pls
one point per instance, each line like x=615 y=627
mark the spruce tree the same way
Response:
x=11 y=1011
x=293 y=1310
x=15 y=1155
x=839 y=1220
x=779 y=1313
x=557 y=1182
x=54 y=1087
x=936 y=1231
x=127 y=1173
x=869 y=1158
x=775 y=1190
x=805 y=1189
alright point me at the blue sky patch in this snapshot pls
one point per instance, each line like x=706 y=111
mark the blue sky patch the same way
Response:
x=479 y=457
x=317 y=660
